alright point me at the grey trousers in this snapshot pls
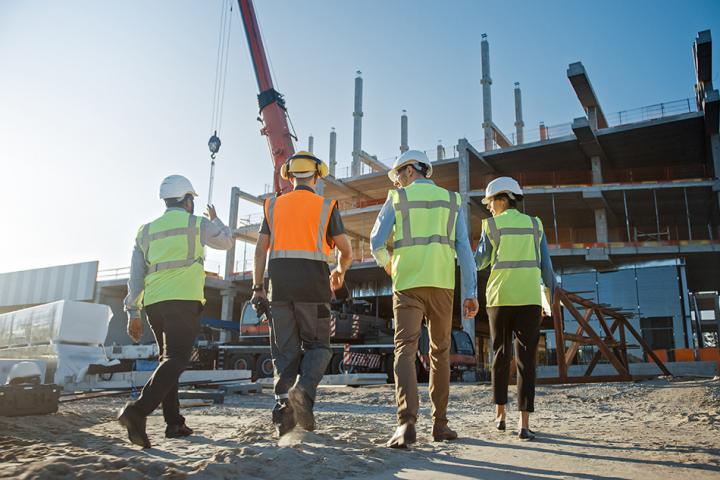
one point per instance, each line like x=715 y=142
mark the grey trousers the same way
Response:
x=299 y=331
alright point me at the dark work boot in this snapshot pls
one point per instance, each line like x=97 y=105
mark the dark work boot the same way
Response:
x=283 y=418
x=302 y=405
x=135 y=424
x=443 y=432
x=176 y=431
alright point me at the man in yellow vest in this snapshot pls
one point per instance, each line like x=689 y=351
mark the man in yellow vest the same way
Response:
x=429 y=230
x=298 y=233
x=167 y=279
x=514 y=245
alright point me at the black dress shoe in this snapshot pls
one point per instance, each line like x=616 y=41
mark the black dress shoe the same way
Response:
x=404 y=435
x=135 y=424
x=526 y=434
x=176 y=431
x=500 y=425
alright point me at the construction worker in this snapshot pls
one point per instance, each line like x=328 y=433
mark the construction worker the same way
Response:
x=514 y=245
x=429 y=231
x=167 y=279
x=299 y=232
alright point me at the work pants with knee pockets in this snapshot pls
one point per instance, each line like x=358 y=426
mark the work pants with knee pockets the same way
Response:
x=300 y=344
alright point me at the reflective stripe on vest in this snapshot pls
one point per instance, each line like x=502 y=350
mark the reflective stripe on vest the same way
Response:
x=319 y=253
x=404 y=205
x=190 y=231
x=496 y=234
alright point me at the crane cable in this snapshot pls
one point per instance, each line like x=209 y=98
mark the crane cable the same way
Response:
x=221 y=67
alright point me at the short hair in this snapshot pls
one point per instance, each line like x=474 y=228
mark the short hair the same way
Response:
x=177 y=202
x=421 y=168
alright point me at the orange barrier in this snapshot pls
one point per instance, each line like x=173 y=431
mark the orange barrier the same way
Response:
x=684 y=355
x=662 y=355
x=711 y=354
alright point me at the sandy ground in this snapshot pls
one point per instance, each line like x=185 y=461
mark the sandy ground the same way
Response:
x=654 y=429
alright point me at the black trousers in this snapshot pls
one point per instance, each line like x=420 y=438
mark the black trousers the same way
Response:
x=524 y=322
x=175 y=324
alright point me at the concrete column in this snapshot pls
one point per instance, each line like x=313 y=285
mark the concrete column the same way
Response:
x=715 y=153
x=592 y=117
x=228 y=295
x=357 y=127
x=601 y=227
x=311 y=142
x=486 y=82
x=464 y=189
x=232 y=223
x=440 y=151
x=333 y=148
x=519 y=124
x=404 y=132
x=596 y=165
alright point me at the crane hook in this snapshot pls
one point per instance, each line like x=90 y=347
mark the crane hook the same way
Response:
x=214 y=145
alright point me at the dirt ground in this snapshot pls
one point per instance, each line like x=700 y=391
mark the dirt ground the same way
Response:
x=652 y=429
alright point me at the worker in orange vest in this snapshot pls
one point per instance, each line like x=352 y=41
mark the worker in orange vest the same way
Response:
x=298 y=233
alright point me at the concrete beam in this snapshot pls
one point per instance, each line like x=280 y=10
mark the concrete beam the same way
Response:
x=607 y=187
x=586 y=94
x=586 y=138
x=343 y=186
x=467 y=146
x=500 y=138
x=711 y=110
x=702 y=56
x=372 y=161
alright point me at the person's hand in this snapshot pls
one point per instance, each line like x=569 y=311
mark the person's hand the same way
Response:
x=135 y=328
x=470 y=307
x=388 y=268
x=337 y=278
x=210 y=213
x=258 y=294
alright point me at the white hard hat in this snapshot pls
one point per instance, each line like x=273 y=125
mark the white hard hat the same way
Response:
x=176 y=186
x=502 y=185
x=24 y=372
x=407 y=158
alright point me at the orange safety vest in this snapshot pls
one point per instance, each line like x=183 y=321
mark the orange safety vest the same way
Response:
x=298 y=224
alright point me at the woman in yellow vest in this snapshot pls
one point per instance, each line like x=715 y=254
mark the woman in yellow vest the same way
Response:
x=514 y=245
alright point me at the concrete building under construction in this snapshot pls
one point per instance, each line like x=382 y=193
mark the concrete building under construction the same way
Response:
x=629 y=202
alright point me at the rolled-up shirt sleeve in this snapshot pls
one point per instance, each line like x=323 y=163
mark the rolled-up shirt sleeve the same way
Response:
x=546 y=267
x=483 y=255
x=468 y=273
x=215 y=234
x=381 y=232
x=136 y=283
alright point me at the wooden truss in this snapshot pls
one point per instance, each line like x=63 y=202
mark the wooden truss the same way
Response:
x=614 y=350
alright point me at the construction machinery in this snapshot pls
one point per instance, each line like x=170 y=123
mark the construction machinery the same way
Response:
x=361 y=343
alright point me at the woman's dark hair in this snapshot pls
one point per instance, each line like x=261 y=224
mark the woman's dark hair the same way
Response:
x=512 y=203
x=175 y=203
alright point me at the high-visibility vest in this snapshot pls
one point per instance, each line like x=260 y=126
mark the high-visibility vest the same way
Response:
x=515 y=259
x=298 y=224
x=424 y=237
x=174 y=258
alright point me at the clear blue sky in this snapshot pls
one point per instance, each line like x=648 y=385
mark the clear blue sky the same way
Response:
x=100 y=100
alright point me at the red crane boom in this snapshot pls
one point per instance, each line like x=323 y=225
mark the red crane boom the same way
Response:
x=271 y=103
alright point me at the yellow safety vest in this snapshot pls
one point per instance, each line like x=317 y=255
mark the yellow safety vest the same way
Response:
x=515 y=260
x=424 y=237
x=174 y=258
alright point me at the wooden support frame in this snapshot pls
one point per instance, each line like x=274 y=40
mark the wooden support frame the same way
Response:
x=613 y=349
